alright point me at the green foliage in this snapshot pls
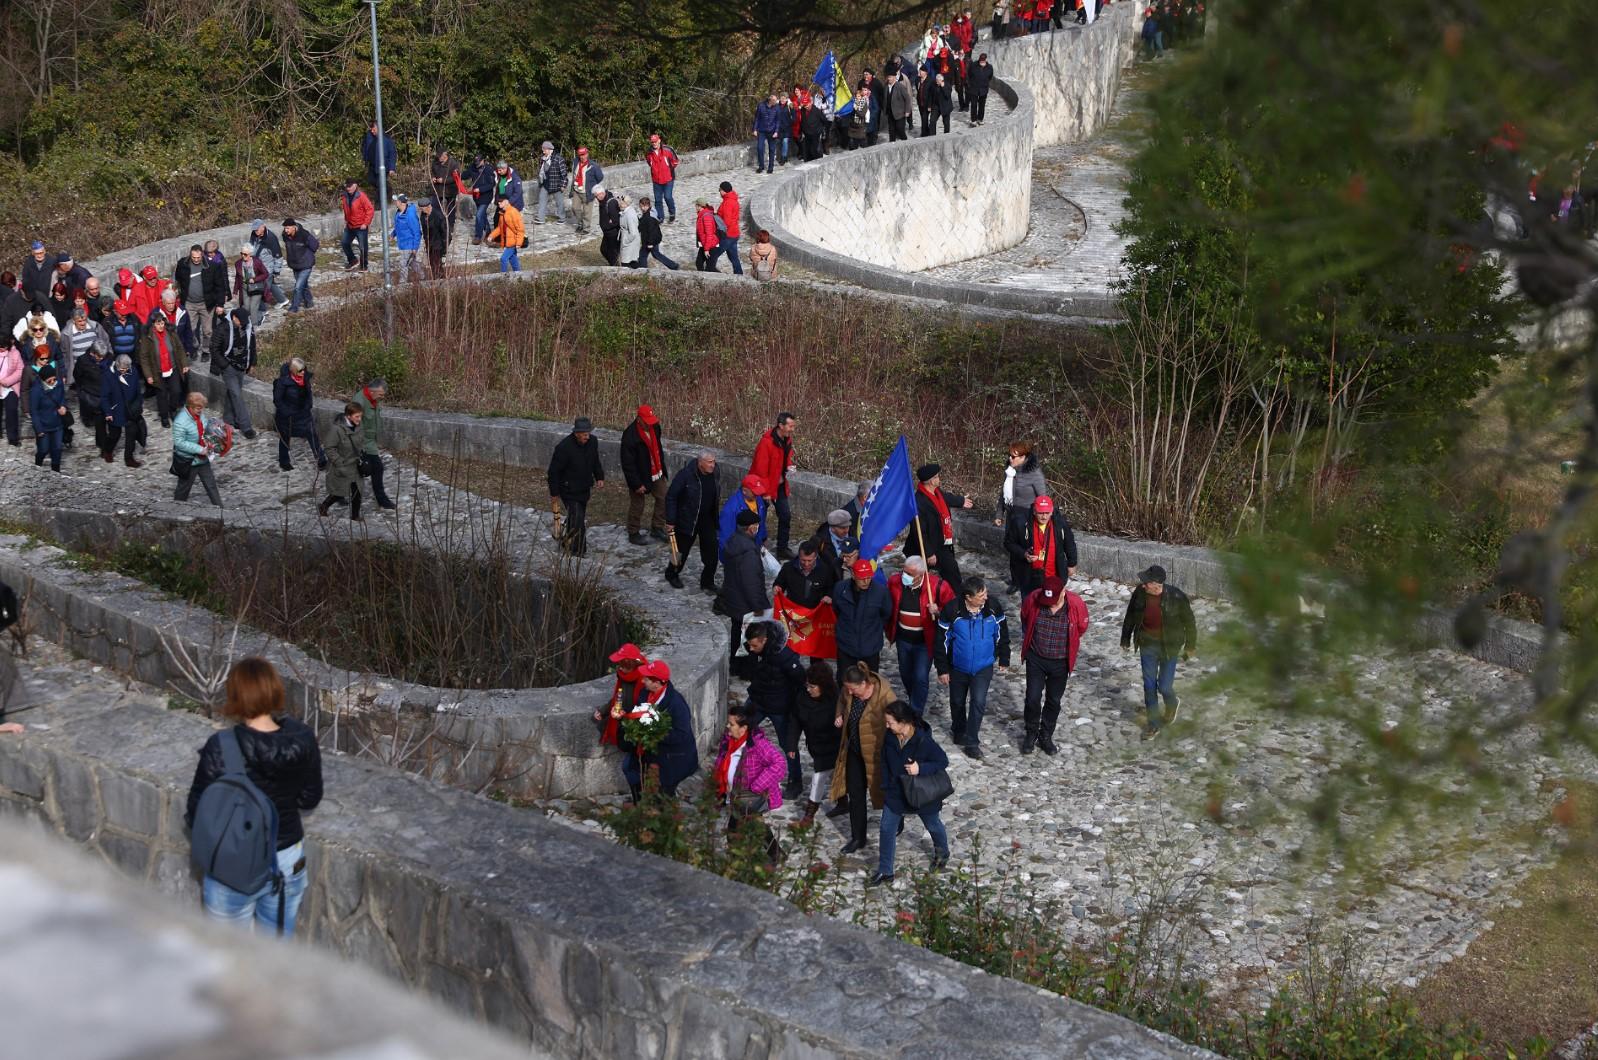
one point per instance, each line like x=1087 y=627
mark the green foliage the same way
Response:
x=368 y=359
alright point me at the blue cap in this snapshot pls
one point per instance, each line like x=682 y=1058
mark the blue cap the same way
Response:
x=38 y=244
x=850 y=544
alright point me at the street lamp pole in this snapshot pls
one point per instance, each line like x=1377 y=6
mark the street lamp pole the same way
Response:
x=382 y=183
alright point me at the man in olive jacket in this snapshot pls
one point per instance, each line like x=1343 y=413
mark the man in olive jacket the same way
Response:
x=371 y=424
x=1161 y=618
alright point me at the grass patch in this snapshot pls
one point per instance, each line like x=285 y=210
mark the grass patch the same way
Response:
x=1535 y=972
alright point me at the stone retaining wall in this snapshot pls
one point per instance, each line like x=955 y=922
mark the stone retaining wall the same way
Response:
x=565 y=941
x=1072 y=73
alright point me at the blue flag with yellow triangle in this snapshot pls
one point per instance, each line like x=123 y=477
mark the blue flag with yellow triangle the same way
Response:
x=834 y=86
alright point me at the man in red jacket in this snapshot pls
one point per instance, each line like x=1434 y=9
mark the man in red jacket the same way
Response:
x=1052 y=623
x=772 y=461
x=727 y=215
x=705 y=235
x=358 y=214
x=917 y=598
x=663 y=175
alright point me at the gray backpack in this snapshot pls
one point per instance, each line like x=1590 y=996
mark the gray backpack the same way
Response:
x=233 y=838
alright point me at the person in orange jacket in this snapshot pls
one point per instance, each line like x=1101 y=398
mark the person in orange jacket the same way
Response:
x=509 y=232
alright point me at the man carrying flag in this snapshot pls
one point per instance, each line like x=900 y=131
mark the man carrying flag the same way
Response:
x=801 y=599
x=836 y=101
x=933 y=536
x=890 y=504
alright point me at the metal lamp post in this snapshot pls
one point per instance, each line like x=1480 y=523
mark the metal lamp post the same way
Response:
x=382 y=183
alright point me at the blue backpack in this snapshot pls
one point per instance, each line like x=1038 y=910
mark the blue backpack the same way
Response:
x=233 y=838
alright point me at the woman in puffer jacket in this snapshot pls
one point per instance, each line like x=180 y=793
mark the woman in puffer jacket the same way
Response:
x=749 y=773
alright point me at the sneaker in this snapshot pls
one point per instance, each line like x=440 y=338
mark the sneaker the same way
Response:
x=1149 y=732
x=878 y=879
x=1172 y=710
x=973 y=751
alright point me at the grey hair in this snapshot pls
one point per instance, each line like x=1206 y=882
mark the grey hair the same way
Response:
x=863 y=488
x=123 y=362
x=914 y=565
x=377 y=384
x=704 y=453
x=296 y=365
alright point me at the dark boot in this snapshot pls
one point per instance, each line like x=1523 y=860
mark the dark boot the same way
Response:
x=839 y=808
x=325 y=507
x=1028 y=742
x=810 y=815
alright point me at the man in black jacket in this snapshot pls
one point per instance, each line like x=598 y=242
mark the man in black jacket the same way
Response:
x=1160 y=617
x=980 y=79
x=232 y=355
x=643 y=465
x=574 y=473
x=203 y=288
x=435 y=234
x=743 y=590
x=805 y=579
x=693 y=507
x=934 y=515
x=1041 y=547
x=609 y=225
x=776 y=676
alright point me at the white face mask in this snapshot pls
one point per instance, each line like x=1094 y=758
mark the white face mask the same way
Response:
x=907 y=579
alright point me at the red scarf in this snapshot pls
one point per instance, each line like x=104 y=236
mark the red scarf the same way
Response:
x=725 y=764
x=166 y=356
x=619 y=700
x=368 y=392
x=936 y=497
x=651 y=438
x=299 y=380
x=199 y=429
x=1046 y=564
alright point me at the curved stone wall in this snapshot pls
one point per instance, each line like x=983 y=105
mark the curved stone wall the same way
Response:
x=1073 y=73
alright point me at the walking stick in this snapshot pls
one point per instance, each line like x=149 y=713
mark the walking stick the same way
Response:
x=557 y=528
x=676 y=556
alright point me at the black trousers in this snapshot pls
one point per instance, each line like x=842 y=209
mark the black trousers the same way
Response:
x=574 y=538
x=845 y=660
x=928 y=122
x=947 y=567
x=705 y=534
x=354 y=499
x=135 y=434
x=610 y=247
x=1045 y=686
x=859 y=790
x=372 y=467
x=896 y=129
x=169 y=393
x=979 y=107
x=13 y=405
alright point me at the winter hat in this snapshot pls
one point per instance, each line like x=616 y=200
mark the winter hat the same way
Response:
x=849 y=545
x=546 y=146
x=748 y=518
x=402 y=197
x=38 y=244
x=928 y=472
x=63 y=257
x=1052 y=588
x=838 y=517
x=582 y=425
x=1155 y=573
x=864 y=568
x=1043 y=506
x=628 y=653
x=646 y=415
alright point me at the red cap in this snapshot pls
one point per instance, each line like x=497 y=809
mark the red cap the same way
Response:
x=122 y=307
x=754 y=484
x=656 y=669
x=647 y=415
x=627 y=653
x=1043 y=506
x=654 y=138
x=124 y=276
x=864 y=568
x=582 y=150
x=150 y=272
x=1052 y=588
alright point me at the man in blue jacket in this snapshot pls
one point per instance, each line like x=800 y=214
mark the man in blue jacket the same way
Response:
x=768 y=133
x=677 y=757
x=408 y=237
x=863 y=607
x=389 y=156
x=972 y=640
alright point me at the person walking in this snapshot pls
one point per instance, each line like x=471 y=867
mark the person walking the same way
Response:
x=508 y=186
x=481 y=188
x=804 y=580
x=609 y=211
x=436 y=231
x=980 y=81
x=643 y=466
x=776 y=674
x=973 y=641
x=772 y=463
x=629 y=244
x=748 y=775
x=342 y=446
x=510 y=234
x=47 y=408
x=122 y=405
x=281 y=757
x=250 y=280
x=1159 y=618
x=587 y=177
x=908 y=750
x=445 y=175
x=901 y=104
x=1052 y=623
x=165 y=368
x=864 y=609
x=857 y=774
x=575 y=472
x=407 y=228
x=369 y=400
x=693 y=508
x=299 y=251
x=706 y=236
x=749 y=498
x=1023 y=485
x=815 y=710
x=942 y=101
x=662 y=162
x=932 y=535
x=358 y=213
x=551 y=183
x=233 y=356
x=677 y=757
x=918 y=599
x=203 y=287
x=727 y=217
x=11 y=389
x=768 y=118
x=1041 y=547
x=378 y=151
x=649 y=237
x=91 y=371
x=292 y=411
x=269 y=252
x=743 y=589
x=191 y=451
x=627 y=690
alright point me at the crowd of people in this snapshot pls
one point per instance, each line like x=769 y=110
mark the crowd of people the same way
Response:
x=863 y=738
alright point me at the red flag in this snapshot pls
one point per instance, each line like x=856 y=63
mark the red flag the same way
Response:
x=812 y=631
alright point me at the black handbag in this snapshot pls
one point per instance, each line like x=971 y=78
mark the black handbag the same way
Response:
x=181 y=465
x=926 y=789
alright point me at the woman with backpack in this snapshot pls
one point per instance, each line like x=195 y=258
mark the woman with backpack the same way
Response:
x=270 y=754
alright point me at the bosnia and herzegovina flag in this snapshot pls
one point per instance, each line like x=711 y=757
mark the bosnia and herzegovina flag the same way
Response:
x=834 y=85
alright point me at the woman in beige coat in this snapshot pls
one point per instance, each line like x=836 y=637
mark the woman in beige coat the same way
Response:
x=861 y=710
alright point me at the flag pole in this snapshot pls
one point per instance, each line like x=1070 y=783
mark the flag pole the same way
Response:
x=926 y=582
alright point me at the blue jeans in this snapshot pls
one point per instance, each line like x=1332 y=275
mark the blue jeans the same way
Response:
x=728 y=247
x=1159 y=679
x=480 y=225
x=784 y=157
x=353 y=236
x=888 y=833
x=967 y=730
x=915 y=671
x=663 y=194
x=509 y=261
x=653 y=252
x=229 y=906
x=48 y=444
x=302 y=290
x=765 y=151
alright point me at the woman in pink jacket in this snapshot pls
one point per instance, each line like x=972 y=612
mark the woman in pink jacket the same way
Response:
x=11 y=391
x=749 y=774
